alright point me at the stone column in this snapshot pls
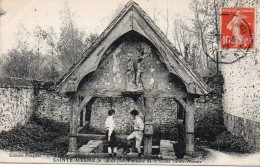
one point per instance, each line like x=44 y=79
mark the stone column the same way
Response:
x=189 y=125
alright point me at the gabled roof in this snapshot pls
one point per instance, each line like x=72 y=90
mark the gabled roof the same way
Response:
x=132 y=18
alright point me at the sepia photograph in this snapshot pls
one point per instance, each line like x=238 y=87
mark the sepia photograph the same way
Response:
x=130 y=82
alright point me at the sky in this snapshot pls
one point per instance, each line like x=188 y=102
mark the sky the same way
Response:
x=92 y=16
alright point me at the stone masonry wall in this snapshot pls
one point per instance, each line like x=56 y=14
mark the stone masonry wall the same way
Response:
x=248 y=129
x=241 y=97
x=52 y=105
x=211 y=104
x=16 y=106
x=165 y=113
x=242 y=87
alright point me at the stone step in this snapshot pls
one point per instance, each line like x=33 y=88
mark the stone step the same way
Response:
x=166 y=148
x=93 y=146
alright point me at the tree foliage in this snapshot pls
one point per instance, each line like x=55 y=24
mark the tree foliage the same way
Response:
x=24 y=64
x=69 y=46
x=50 y=54
x=22 y=61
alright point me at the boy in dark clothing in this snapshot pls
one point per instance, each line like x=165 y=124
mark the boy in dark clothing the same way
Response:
x=110 y=134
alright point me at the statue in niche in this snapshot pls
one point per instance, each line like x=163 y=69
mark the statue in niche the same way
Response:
x=134 y=72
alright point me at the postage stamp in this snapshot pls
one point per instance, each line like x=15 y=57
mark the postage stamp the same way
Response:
x=237 y=28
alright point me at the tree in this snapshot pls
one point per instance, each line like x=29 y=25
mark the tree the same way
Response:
x=166 y=18
x=182 y=36
x=205 y=31
x=47 y=55
x=22 y=64
x=21 y=61
x=69 y=46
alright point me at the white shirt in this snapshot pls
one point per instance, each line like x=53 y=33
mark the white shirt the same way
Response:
x=110 y=124
x=138 y=123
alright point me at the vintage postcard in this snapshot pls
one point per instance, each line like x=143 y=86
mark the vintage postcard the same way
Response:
x=144 y=82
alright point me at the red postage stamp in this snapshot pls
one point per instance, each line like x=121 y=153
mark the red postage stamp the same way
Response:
x=237 y=28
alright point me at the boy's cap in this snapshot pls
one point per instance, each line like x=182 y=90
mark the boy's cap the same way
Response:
x=134 y=112
x=110 y=112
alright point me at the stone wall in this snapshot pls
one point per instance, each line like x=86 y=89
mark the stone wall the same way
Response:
x=122 y=107
x=242 y=87
x=248 y=129
x=241 y=96
x=16 y=106
x=165 y=113
x=52 y=105
x=23 y=99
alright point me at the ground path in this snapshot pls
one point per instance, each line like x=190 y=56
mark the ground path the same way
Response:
x=219 y=158
x=213 y=158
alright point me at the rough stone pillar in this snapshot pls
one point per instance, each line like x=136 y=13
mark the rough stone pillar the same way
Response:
x=73 y=125
x=189 y=125
x=148 y=135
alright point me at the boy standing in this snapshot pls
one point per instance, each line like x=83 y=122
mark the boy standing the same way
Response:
x=110 y=134
x=137 y=134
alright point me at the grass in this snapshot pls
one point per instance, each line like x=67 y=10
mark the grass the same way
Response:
x=39 y=136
